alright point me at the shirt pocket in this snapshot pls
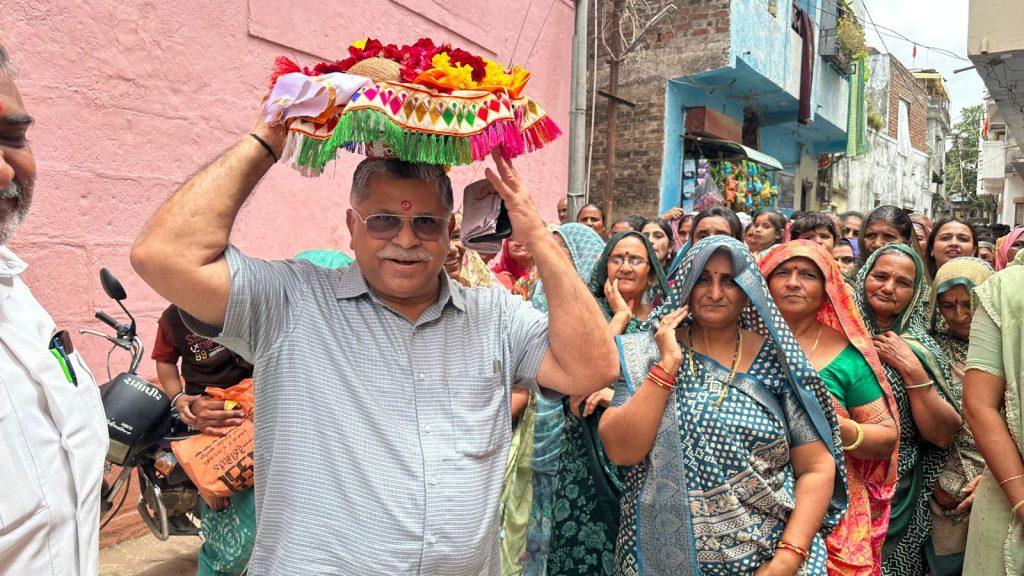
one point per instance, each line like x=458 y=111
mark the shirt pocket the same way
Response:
x=89 y=393
x=480 y=411
x=21 y=497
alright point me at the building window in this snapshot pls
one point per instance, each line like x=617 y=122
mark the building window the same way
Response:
x=1018 y=214
x=903 y=127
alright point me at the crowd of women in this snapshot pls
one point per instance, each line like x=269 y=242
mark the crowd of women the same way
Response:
x=798 y=396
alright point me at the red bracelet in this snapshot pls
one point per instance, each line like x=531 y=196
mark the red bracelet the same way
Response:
x=660 y=372
x=793 y=548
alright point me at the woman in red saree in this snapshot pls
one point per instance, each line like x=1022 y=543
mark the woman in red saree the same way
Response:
x=810 y=292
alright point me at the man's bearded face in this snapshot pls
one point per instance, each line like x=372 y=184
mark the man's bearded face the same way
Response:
x=17 y=163
x=14 y=204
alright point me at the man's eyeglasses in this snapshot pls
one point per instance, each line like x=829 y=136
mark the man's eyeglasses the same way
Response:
x=387 y=226
x=634 y=261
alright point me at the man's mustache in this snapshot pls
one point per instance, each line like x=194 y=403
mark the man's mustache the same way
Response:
x=414 y=255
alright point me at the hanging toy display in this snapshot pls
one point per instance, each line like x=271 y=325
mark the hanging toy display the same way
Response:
x=748 y=186
x=425 y=102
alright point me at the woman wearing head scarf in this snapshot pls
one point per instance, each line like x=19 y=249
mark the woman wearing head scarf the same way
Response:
x=473 y=271
x=514 y=268
x=586 y=509
x=733 y=433
x=812 y=297
x=1009 y=247
x=987 y=251
x=994 y=404
x=952 y=496
x=891 y=293
x=584 y=246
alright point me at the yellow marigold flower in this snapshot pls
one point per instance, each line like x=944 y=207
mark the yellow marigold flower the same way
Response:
x=360 y=44
x=460 y=76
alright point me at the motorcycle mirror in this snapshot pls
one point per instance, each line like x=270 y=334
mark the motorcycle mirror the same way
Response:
x=111 y=285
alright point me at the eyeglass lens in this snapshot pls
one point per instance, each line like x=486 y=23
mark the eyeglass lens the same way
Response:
x=634 y=261
x=386 y=226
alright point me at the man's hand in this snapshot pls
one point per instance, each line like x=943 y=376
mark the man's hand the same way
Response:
x=527 y=225
x=212 y=418
x=274 y=135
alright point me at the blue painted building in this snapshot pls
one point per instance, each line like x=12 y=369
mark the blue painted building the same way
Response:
x=740 y=58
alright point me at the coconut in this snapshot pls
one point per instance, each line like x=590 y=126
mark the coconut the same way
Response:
x=378 y=70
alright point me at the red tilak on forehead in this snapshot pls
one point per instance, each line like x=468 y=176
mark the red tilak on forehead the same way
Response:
x=406 y=205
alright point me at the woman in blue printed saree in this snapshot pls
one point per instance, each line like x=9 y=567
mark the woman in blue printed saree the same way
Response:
x=734 y=436
x=585 y=524
x=892 y=295
x=584 y=247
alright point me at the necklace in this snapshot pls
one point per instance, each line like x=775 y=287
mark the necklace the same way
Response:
x=810 y=358
x=736 y=357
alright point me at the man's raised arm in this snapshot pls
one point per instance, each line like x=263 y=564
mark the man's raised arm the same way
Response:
x=582 y=357
x=180 y=251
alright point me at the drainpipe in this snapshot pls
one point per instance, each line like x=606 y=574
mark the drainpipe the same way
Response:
x=578 y=113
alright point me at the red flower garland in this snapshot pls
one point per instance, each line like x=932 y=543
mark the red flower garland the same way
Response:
x=414 y=60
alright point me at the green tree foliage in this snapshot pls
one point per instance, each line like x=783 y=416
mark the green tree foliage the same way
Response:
x=962 y=155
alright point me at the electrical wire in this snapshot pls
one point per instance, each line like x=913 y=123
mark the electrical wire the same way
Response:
x=526 y=15
x=540 y=31
x=893 y=33
x=593 y=106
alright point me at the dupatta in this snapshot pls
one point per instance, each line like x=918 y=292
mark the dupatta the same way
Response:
x=665 y=506
x=918 y=464
x=1003 y=251
x=871 y=483
x=584 y=246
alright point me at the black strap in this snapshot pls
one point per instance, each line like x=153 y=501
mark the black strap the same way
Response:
x=270 y=151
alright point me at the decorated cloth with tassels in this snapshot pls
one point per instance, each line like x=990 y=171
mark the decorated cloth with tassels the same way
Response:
x=420 y=103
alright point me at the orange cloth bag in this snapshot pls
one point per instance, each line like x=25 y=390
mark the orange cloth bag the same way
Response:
x=221 y=466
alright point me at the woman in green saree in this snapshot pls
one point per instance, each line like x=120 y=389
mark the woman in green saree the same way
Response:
x=892 y=293
x=584 y=247
x=586 y=505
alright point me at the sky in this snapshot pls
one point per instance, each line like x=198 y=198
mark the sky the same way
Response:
x=938 y=23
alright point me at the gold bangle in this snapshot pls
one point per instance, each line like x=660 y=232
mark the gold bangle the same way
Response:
x=858 y=440
x=1016 y=507
x=1011 y=479
x=919 y=386
x=660 y=383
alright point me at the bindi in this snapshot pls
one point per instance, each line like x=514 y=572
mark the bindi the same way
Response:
x=406 y=205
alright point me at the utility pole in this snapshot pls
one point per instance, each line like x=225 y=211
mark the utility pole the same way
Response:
x=578 y=113
x=611 y=109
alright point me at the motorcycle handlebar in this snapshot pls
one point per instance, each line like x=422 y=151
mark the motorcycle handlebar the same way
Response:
x=106 y=319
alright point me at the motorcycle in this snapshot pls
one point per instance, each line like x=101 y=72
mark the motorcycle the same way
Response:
x=142 y=425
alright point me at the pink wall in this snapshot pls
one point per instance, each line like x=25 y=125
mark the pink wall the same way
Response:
x=131 y=98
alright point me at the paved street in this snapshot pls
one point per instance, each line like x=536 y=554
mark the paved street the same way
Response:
x=147 y=556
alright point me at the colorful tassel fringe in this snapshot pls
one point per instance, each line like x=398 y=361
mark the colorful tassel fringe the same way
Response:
x=357 y=128
x=360 y=131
